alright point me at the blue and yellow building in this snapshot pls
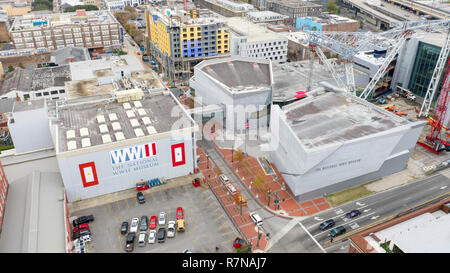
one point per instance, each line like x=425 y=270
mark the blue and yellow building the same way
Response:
x=178 y=40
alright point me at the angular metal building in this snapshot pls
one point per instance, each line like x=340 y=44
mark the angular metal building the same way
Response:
x=334 y=140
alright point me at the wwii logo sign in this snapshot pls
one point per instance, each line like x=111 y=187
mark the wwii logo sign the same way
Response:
x=132 y=153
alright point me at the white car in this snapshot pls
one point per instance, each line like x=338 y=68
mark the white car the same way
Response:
x=171 y=229
x=256 y=218
x=152 y=236
x=224 y=178
x=162 y=218
x=134 y=225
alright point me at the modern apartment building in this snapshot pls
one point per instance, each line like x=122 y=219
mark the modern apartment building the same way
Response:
x=92 y=29
x=178 y=42
x=120 y=4
x=255 y=41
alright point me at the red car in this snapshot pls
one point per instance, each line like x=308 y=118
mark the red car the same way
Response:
x=152 y=224
x=179 y=213
x=80 y=227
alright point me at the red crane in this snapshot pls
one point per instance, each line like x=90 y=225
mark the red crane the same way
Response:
x=439 y=140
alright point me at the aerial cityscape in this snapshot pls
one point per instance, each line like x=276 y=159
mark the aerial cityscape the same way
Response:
x=224 y=126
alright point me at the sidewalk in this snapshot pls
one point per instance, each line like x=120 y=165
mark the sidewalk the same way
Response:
x=250 y=170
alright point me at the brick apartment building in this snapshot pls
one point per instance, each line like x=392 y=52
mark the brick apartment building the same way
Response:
x=92 y=29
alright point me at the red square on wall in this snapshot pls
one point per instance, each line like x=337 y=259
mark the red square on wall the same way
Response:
x=88 y=174
x=178 y=155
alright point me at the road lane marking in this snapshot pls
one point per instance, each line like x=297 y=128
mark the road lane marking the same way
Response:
x=347 y=223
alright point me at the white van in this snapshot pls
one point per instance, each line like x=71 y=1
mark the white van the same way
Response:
x=256 y=218
x=224 y=178
x=142 y=238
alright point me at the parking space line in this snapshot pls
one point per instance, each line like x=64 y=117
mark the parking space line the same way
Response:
x=118 y=205
x=210 y=204
x=196 y=239
x=126 y=201
x=220 y=216
x=226 y=246
x=218 y=207
x=204 y=250
x=229 y=232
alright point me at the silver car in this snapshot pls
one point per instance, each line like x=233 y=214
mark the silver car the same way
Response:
x=134 y=225
x=152 y=236
x=162 y=218
x=171 y=229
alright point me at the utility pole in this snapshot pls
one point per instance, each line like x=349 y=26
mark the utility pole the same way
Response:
x=269 y=193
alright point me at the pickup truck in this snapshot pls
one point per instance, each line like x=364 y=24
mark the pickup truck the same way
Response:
x=129 y=244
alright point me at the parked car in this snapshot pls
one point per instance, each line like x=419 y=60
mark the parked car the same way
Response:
x=140 y=198
x=129 y=243
x=124 y=227
x=142 y=238
x=327 y=224
x=352 y=213
x=337 y=231
x=144 y=223
x=180 y=225
x=152 y=224
x=187 y=251
x=171 y=229
x=152 y=236
x=224 y=178
x=162 y=218
x=180 y=213
x=256 y=218
x=80 y=227
x=161 y=235
x=81 y=233
x=83 y=220
x=134 y=224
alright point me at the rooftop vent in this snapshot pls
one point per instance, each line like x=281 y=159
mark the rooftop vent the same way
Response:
x=70 y=134
x=130 y=114
x=151 y=130
x=146 y=120
x=137 y=104
x=106 y=138
x=119 y=136
x=84 y=132
x=139 y=132
x=103 y=128
x=142 y=112
x=134 y=122
x=85 y=142
x=71 y=145
x=126 y=105
x=112 y=117
x=116 y=126
x=100 y=119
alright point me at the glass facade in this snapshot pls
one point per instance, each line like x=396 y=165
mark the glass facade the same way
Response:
x=424 y=65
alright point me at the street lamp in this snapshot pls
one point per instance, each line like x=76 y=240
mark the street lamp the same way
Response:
x=207 y=161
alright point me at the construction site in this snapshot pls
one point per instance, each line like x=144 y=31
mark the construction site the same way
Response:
x=181 y=36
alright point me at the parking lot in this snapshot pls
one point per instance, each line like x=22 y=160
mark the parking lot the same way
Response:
x=207 y=225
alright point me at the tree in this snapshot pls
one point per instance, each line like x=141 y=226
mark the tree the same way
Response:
x=132 y=11
x=332 y=7
x=21 y=65
x=238 y=156
x=10 y=68
x=85 y=7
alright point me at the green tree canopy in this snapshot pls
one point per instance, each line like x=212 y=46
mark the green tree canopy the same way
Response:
x=85 y=7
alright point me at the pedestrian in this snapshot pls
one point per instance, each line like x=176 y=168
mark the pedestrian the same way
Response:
x=217 y=248
x=331 y=239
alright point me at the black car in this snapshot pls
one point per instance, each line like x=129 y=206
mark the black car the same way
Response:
x=161 y=235
x=337 y=231
x=82 y=220
x=124 y=227
x=327 y=224
x=144 y=223
x=140 y=198
x=352 y=213
x=81 y=233
x=129 y=244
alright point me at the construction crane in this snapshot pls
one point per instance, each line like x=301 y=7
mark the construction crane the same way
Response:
x=434 y=82
x=438 y=139
x=348 y=44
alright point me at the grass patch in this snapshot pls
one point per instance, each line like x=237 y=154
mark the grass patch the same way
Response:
x=347 y=195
